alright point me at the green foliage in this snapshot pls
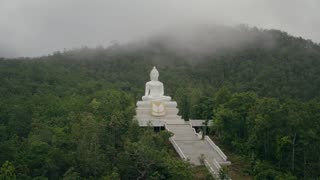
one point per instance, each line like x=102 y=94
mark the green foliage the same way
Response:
x=85 y=135
x=7 y=171
x=184 y=103
x=274 y=131
x=223 y=173
x=69 y=115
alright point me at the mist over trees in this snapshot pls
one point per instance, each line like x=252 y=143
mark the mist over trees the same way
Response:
x=69 y=115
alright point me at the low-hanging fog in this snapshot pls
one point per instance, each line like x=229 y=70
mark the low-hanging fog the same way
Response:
x=40 y=27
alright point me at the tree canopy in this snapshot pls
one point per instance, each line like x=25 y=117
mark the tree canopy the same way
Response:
x=70 y=114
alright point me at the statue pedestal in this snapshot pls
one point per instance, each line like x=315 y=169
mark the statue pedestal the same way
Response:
x=157 y=113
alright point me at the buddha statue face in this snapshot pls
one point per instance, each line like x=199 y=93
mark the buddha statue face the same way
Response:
x=154 y=74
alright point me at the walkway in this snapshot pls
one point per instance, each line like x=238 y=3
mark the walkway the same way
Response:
x=190 y=147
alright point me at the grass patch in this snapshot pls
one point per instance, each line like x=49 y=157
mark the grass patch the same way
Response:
x=201 y=173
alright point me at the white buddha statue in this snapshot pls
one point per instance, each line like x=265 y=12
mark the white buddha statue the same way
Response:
x=154 y=88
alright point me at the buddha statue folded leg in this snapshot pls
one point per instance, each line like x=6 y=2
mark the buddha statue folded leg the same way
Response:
x=151 y=98
x=145 y=98
x=166 y=98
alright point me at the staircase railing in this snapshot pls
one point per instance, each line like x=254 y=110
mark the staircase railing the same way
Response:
x=216 y=164
x=175 y=145
x=177 y=148
x=195 y=132
x=214 y=173
x=215 y=147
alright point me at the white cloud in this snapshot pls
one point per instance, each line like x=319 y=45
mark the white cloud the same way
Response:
x=39 y=27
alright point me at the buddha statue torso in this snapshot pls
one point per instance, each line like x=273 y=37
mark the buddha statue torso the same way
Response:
x=154 y=88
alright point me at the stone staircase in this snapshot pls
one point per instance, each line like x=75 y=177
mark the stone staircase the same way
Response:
x=190 y=147
x=185 y=140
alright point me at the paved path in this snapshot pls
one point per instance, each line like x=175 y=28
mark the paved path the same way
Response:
x=191 y=147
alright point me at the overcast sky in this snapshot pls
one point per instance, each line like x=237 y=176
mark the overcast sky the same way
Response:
x=40 y=27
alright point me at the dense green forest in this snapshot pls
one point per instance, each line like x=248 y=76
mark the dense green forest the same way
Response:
x=70 y=114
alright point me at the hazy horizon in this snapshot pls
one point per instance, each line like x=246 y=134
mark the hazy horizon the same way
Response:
x=40 y=27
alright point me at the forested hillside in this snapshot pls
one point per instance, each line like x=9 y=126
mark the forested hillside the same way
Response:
x=69 y=115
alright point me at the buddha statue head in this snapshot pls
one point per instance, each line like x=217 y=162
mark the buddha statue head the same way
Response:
x=154 y=74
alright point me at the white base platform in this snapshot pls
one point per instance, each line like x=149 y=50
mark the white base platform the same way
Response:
x=145 y=118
